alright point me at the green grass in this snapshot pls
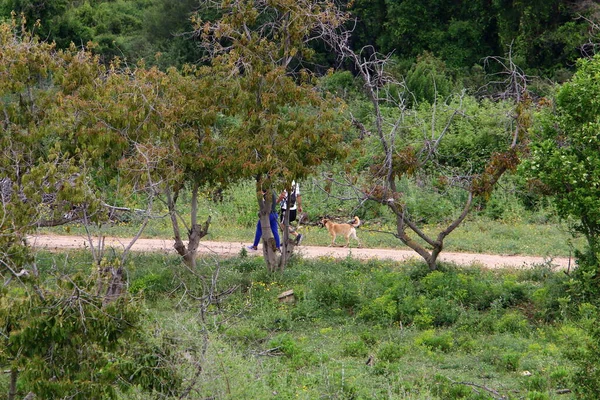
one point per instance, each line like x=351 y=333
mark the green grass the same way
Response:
x=258 y=348
x=431 y=335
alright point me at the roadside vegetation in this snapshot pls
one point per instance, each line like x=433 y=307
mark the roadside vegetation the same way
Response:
x=504 y=226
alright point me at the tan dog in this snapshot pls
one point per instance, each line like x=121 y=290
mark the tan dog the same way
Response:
x=345 y=230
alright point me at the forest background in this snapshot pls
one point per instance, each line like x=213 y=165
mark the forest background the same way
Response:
x=356 y=330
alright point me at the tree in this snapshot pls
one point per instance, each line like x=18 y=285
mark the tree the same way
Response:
x=565 y=155
x=47 y=178
x=59 y=339
x=286 y=127
x=157 y=135
x=411 y=146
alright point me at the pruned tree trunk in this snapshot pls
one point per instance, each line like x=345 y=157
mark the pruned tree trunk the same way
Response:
x=276 y=261
x=287 y=244
x=265 y=203
x=115 y=284
x=268 y=240
x=12 y=389
x=195 y=232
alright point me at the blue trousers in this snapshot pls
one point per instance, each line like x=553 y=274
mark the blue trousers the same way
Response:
x=274 y=229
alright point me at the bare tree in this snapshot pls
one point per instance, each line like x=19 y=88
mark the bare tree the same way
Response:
x=403 y=157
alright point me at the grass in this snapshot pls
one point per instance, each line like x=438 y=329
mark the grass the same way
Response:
x=457 y=333
x=252 y=346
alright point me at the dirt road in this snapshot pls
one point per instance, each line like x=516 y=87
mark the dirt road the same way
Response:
x=52 y=242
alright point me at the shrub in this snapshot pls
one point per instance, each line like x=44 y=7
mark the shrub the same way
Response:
x=285 y=344
x=560 y=377
x=246 y=334
x=583 y=286
x=470 y=287
x=536 y=384
x=513 y=322
x=382 y=310
x=390 y=352
x=587 y=374
x=246 y=264
x=369 y=337
x=537 y=396
x=509 y=361
x=424 y=319
x=332 y=293
x=356 y=349
x=306 y=310
x=152 y=285
x=443 y=342
x=444 y=388
x=513 y=292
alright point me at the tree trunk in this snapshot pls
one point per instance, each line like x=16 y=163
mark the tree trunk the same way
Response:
x=268 y=240
x=287 y=245
x=430 y=257
x=12 y=389
x=115 y=284
x=195 y=232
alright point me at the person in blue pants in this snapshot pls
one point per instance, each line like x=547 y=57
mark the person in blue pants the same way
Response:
x=273 y=221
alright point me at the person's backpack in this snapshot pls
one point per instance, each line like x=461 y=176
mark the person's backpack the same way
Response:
x=293 y=197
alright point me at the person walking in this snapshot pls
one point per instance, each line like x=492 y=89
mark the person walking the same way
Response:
x=272 y=221
x=295 y=204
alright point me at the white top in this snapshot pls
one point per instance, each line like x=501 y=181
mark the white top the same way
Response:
x=295 y=188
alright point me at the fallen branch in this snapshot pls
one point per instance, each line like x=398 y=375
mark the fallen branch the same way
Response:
x=274 y=352
x=495 y=393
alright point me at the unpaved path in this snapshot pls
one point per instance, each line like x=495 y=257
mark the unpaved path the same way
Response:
x=54 y=243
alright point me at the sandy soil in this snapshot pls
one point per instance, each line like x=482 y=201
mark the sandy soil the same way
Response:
x=55 y=243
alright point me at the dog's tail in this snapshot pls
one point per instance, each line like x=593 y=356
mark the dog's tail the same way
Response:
x=356 y=222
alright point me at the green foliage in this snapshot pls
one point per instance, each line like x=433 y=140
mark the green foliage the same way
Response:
x=473 y=139
x=546 y=35
x=426 y=204
x=435 y=341
x=314 y=347
x=427 y=80
x=356 y=349
x=582 y=287
x=446 y=389
x=63 y=341
x=587 y=375
x=333 y=293
x=513 y=322
x=152 y=284
x=390 y=352
x=342 y=84
x=565 y=152
x=249 y=335
x=240 y=203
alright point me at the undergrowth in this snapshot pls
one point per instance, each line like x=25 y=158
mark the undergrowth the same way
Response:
x=365 y=330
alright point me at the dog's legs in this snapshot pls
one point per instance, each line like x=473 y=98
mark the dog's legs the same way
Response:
x=353 y=234
x=332 y=240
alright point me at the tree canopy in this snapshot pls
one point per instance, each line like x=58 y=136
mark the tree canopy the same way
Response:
x=565 y=156
x=546 y=36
